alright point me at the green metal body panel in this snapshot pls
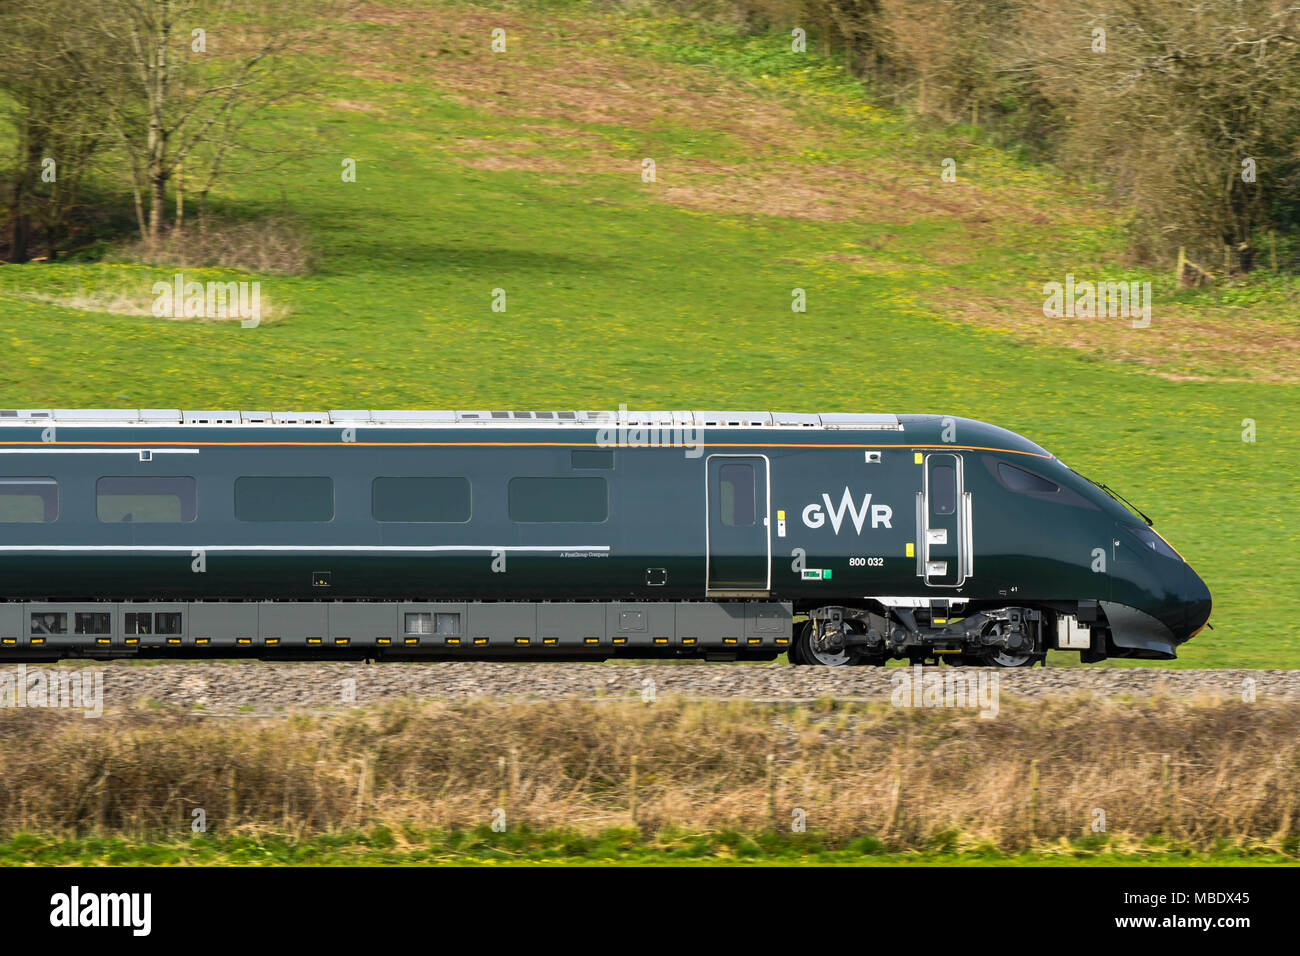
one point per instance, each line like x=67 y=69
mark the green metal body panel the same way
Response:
x=842 y=503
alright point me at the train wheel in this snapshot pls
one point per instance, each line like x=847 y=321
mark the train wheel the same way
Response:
x=1015 y=656
x=793 y=655
x=805 y=651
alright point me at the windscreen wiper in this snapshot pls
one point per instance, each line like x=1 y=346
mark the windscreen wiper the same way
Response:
x=1120 y=498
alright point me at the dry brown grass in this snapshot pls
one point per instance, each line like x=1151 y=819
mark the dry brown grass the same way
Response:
x=909 y=776
x=562 y=71
x=274 y=244
x=1179 y=345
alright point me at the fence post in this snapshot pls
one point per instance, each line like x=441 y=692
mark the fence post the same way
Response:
x=503 y=789
x=363 y=786
x=1167 y=788
x=631 y=786
x=895 y=804
x=771 y=791
x=1033 y=798
x=232 y=799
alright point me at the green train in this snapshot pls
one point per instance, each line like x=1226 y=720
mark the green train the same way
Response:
x=838 y=539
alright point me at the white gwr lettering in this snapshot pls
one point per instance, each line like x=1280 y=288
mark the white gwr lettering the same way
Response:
x=881 y=515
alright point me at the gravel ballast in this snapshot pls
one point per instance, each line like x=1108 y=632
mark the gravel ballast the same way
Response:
x=260 y=687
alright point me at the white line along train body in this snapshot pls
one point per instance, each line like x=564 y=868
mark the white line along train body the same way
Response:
x=838 y=538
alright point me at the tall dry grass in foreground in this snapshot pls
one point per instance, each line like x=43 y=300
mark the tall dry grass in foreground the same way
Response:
x=1192 y=772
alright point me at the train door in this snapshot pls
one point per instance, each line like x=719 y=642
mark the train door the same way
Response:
x=739 y=547
x=944 y=522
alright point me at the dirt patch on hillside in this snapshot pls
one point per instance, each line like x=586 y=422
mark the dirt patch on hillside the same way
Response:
x=584 y=109
x=1177 y=345
x=565 y=72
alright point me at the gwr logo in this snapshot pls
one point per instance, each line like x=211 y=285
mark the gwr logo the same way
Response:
x=814 y=517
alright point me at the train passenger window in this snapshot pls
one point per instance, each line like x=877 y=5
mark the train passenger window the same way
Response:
x=138 y=623
x=167 y=622
x=47 y=622
x=284 y=499
x=420 y=622
x=28 y=500
x=1024 y=482
x=558 y=499
x=146 y=500
x=943 y=489
x=738 y=494
x=420 y=499
x=91 y=622
x=448 y=623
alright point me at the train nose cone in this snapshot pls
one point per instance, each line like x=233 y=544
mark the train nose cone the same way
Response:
x=1198 y=602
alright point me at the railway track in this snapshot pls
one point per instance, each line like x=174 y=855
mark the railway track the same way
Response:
x=259 y=687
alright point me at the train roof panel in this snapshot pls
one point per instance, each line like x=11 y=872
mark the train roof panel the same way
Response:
x=425 y=418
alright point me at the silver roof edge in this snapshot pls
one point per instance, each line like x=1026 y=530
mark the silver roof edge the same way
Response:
x=95 y=414
x=300 y=418
x=797 y=419
x=653 y=418
x=26 y=414
x=404 y=416
x=732 y=418
x=866 y=420
x=210 y=418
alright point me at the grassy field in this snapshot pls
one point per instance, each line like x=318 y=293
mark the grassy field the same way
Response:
x=626 y=847
x=522 y=172
x=679 y=781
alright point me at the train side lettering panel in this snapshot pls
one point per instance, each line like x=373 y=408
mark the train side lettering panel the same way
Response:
x=851 y=519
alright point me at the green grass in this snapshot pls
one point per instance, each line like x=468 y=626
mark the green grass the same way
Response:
x=523 y=847
x=616 y=296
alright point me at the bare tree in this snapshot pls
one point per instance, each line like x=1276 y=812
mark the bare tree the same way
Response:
x=1192 y=110
x=184 y=73
x=56 y=121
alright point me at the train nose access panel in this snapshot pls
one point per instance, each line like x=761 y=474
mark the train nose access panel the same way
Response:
x=737 y=505
x=943 y=518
